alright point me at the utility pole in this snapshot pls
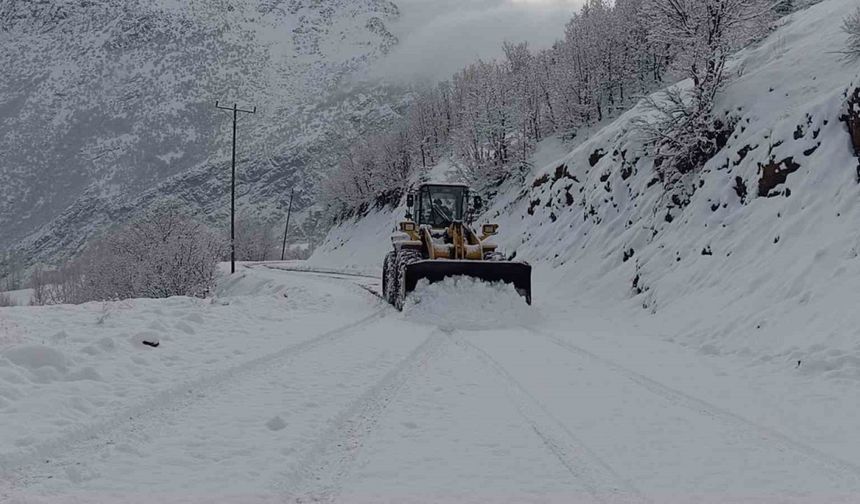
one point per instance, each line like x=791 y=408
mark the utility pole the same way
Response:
x=235 y=109
x=286 y=229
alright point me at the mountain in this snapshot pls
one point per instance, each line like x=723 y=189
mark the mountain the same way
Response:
x=108 y=107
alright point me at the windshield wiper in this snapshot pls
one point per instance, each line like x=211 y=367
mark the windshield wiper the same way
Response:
x=441 y=212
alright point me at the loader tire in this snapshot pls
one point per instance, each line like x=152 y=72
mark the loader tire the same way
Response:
x=404 y=259
x=390 y=284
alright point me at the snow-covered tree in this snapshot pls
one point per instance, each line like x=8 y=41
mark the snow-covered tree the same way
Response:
x=490 y=116
x=783 y=7
x=163 y=254
x=11 y=271
x=852 y=28
x=703 y=34
x=256 y=239
x=6 y=300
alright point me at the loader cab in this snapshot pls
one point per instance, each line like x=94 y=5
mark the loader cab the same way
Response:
x=439 y=205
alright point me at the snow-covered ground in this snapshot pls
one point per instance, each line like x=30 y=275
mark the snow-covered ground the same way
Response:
x=302 y=386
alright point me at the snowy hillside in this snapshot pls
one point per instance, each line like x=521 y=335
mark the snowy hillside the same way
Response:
x=94 y=111
x=762 y=259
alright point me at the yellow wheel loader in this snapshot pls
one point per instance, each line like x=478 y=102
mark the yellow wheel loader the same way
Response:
x=434 y=242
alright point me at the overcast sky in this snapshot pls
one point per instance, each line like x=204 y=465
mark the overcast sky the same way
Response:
x=438 y=37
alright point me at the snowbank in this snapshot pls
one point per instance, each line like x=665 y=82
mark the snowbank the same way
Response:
x=63 y=367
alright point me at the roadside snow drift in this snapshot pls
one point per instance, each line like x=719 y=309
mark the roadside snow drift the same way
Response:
x=63 y=366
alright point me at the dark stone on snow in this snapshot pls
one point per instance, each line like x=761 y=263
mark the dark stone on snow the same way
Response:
x=774 y=174
x=811 y=151
x=596 y=156
x=741 y=189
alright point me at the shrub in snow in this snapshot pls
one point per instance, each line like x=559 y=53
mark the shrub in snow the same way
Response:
x=162 y=254
x=256 y=240
x=40 y=287
x=11 y=271
x=65 y=285
x=6 y=300
x=852 y=28
x=784 y=7
x=683 y=137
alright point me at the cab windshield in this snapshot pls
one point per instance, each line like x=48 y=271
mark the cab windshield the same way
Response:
x=439 y=206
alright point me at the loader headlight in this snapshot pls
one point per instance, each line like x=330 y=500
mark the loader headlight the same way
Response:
x=407 y=227
x=490 y=229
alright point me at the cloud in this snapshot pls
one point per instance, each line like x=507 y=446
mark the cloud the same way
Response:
x=438 y=37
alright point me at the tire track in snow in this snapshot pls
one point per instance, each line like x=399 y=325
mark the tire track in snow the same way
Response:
x=332 y=273
x=173 y=399
x=343 y=277
x=764 y=436
x=320 y=473
x=599 y=478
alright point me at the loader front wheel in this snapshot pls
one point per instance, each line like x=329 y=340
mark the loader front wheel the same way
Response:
x=404 y=259
x=390 y=284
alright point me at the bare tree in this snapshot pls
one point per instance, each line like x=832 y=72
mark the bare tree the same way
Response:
x=6 y=300
x=851 y=26
x=162 y=254
x=490 y=116
x=705 y=33
x=255 y=239
x=11 y=271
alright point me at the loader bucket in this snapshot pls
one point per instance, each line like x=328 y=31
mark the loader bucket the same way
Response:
x=516 y=273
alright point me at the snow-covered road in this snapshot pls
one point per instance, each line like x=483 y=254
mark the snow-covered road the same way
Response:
x=335 y=397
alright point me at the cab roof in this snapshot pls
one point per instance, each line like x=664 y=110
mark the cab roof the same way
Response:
x=443 y=184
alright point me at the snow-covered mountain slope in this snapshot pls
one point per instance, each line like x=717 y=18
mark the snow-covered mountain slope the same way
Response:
x=761 y=262
x=102 y=101
x=311 y=144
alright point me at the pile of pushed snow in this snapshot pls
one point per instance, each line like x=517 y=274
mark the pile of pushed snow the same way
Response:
x=467 y=303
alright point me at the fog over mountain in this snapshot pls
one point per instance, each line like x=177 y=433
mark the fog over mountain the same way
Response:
x=438 y=37
x=106 y=108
